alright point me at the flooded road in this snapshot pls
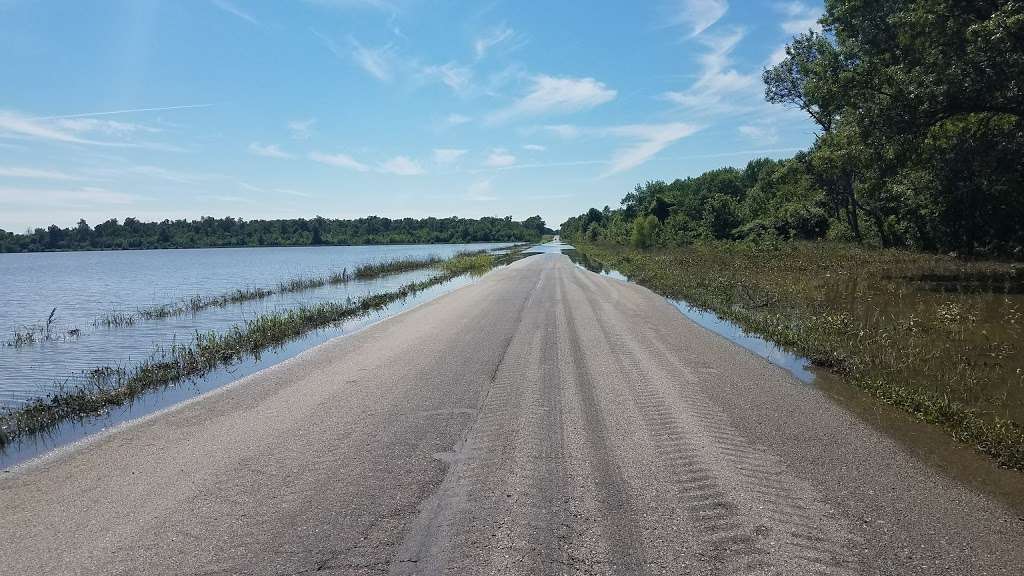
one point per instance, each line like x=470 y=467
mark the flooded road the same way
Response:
x=542 y=420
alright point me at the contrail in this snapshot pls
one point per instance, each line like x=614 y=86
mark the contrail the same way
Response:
x=108 y=113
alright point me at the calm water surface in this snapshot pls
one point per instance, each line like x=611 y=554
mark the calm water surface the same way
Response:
x=85 y=285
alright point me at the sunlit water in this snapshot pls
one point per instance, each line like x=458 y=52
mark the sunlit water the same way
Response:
x=83 y=286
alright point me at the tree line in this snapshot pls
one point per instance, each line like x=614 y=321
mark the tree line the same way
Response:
x=919 y=107
x=211 y=232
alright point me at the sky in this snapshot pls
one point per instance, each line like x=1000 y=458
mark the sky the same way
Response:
x=398 y=108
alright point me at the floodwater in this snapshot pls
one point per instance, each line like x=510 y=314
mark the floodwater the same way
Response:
x=82 y=286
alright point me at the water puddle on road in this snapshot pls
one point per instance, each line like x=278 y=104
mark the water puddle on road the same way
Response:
x=927 y=443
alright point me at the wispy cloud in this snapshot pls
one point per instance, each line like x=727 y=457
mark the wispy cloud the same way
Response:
x=457 y=119
x=481 y=191
x=378 y=4
x=78 y=129
x=339 y=161
x=13 y=124
x=86 y=196
x=499 y=158
x=401 y=165
x=718 y=81
x=267 y=150
x=799 y=17
x=648 y=141
x=497 y=36
x=534 y=147
x=453 y=75
x=33 y=173
x=377 y=62
x=448 y=155
x=564 y=131
x=123 y=111
x=759 y=133
x=549 y=94
x=301 y=129
x=230 y=8
x=698 y=15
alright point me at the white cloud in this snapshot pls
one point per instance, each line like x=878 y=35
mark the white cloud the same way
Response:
x=799 y=17
x=18 y=125
x=649 y=139
x=377 y=62
x=33 y=173
x=777 y=55
x=107 y=127
x=494 y=37
x=550 y=94
x=699 y=15
x=565 y=131
x=499 y=158
x=481 y=191
x=456 y=119
x=534 y=147
x=338 y=160
x=301 y=129
x=267 y=150
x=452 y=75
x=760 y=134
x=77 y=129
x=448 y=155
x=713 y=90
x=402 y=166
x=86 y=196
x=230 y=8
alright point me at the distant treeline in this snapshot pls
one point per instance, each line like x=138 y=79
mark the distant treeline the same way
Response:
x=210 y=232
x=920 y=113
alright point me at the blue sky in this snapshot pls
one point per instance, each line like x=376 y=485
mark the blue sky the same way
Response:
x=345 y=108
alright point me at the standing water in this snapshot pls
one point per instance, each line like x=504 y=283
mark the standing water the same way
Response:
x=81 y=287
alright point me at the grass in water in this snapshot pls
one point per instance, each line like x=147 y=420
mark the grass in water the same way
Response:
x=195 y=304
x=936 y=336
x=106 y=387
x=43 y=332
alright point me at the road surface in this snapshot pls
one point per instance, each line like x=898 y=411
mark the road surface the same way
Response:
x=545 y=420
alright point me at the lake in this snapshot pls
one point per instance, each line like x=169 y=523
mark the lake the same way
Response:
x=83 y=286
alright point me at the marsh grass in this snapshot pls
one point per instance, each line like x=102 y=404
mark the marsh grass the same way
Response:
x=197 y=303
x=397 y=266
x=46 y=331
x=936 y=336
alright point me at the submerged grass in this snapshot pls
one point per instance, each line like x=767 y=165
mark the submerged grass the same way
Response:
x=106 y=387
x=938 y=337
x=195 y=304
x=42 y=332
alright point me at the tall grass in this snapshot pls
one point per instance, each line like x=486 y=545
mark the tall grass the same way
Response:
x=938 y=337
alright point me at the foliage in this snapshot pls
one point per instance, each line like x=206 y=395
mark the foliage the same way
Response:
x=231 y=232
x=920 y=111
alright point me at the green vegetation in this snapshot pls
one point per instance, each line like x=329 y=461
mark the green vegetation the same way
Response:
x=231 y=232
x=107 y=387
x=932 y=335
x=397 y=266
x=920 y=111
x=42 y=332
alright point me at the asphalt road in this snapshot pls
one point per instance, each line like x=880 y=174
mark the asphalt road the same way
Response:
x=544 y=420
